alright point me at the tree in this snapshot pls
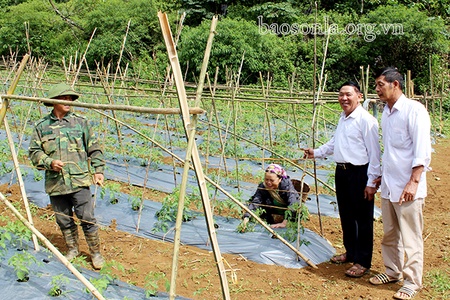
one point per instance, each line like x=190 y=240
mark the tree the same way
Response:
x=405 y=38
x=235 y=38
x=42 y=24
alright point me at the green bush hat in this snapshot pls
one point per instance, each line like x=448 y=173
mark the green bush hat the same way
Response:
x=61 y=89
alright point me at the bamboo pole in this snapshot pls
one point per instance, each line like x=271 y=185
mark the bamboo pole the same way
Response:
x=139 y=109
x=12 y=87
x=202 y=77
x=203 y=73
x=52 y=248
x=121 y=53
x=20 y=180
x=216 y=116
x=12 y=148
x=300 y=209
x=313 y=127
x=108 y=90
x=266 y=108
x=179 y=219
x=297 y=135
x=173 y=57
x=83 y=58
x=147 y=169
x=235 y=105
x=264 y=123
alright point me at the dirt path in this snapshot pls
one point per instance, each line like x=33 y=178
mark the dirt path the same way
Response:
x=198 y=277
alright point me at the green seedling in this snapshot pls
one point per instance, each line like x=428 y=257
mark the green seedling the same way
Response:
x=21 y=262
x=151 y=283
x=57 y=285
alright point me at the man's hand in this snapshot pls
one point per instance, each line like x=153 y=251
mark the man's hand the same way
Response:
x=309 y=153
x=279 y=225
x=377 y=182
x=57 y=165
x=369 y=193
x=409 y=192
x=98 y=179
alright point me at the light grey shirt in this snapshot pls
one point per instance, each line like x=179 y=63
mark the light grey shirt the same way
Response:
x=407 y=144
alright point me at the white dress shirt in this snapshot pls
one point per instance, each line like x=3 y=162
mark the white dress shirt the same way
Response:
x=407 y=144
x=355 y=141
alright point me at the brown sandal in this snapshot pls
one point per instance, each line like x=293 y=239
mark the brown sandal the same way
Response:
x=357 y=271
x=339 y=259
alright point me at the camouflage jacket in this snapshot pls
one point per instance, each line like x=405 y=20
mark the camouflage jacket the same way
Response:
x=72 y=141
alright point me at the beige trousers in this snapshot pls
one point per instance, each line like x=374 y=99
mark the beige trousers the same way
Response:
x=402 y=244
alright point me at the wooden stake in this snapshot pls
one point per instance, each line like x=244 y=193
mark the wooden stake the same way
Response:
x=20 y=179
x=10 y=91
x=315 y=99
x=179 y=220
x=12 y=87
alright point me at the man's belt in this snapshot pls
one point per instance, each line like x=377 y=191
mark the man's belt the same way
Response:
x=346 y=166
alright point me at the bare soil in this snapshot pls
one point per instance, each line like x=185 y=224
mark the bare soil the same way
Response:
x=197 y=274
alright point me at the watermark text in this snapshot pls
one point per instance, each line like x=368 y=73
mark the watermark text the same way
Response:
x=369 y=31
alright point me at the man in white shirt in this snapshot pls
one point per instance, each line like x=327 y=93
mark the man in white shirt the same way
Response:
x=356 y=150
x=407 y=154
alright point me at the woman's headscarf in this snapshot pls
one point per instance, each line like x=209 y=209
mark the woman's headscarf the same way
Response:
x=277 y=169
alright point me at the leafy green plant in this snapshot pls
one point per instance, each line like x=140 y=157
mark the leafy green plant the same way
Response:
x=5 y=169
x=135 y=202
x=57 y=285
x=79 y=262
x=21 y=262
x=5 y=237
x=168 y=212
x=38 y=175
x=113 y=188
x=295 y=216
x=106 y=275
x=17 y=229
x=151 y=283
x=250 y=226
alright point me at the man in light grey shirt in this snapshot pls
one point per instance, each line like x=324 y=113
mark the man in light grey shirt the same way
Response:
x=407 y=154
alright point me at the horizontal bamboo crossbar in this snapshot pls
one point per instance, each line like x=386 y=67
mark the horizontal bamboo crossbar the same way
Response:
x=149 y=110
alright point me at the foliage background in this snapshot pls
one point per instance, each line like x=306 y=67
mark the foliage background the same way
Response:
x=54 y=29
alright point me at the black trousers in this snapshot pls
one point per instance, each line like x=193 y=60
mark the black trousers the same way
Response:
x=356 y=213
x=82 y=203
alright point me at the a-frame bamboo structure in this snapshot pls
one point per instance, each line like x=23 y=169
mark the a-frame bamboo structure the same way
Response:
x=190 y=131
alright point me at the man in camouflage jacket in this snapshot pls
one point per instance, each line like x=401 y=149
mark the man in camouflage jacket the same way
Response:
x=64 y=145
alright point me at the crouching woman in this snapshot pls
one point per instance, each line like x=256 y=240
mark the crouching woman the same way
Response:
x=274 y=195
